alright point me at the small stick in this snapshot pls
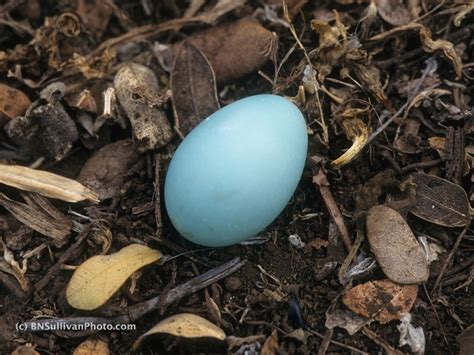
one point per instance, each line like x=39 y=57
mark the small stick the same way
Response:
x=335 y=342
x=63 y=259
x=321 y=180
x=448 y=259
x=326 y=341
x=431 y=64
x=83 y=324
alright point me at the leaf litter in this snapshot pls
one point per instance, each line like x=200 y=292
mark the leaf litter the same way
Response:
x=95 y=97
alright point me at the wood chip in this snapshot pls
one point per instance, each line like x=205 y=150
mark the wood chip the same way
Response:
x=45 y=183
x=138 y=92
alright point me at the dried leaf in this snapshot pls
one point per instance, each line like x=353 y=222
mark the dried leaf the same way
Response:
x=428 y=44
x=440 y=201
x=138 y=92
x=270 y=346
x=193 y=84
x=96 y=68
x=395 y=247
x=438 y=144
x=45 y=183
x=97 y=279
x=13 y=103
x=236 y=49
x=27 y=349
x=466 y=341
x=382 y=300
x=95 y=15
x=186 y=325
x=343 y=318
x=394 y=12
x=44 y=44
x=92 y=347
x=9 y=265
x=369 y=76
x=106 y=170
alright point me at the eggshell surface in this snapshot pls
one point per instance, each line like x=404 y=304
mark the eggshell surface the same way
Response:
x=236 y=171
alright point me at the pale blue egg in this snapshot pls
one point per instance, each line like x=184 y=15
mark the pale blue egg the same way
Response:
x=236 y=171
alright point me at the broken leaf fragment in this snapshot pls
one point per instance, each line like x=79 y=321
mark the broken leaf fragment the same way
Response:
x=439 y=201
x=394 y=12
x=97 y=279
x=186 y=325
x=13 y=103
x=193 y=84
x=382 y=300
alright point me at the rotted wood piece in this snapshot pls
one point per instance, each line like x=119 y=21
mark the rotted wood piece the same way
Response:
x=138 y=93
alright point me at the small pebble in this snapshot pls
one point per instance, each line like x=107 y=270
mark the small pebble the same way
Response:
x=296 y=241
x=233 y=283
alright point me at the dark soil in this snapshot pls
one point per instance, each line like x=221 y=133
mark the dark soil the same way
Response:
x=280 y=287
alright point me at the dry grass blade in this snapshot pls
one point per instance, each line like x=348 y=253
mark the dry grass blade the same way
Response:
x=38 y=218
x=45 y=183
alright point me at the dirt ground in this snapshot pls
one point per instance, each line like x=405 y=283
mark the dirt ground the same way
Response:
x=386 y=89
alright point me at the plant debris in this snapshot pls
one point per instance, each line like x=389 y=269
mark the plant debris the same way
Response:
x=95 y=98
x=394 y=245
x=382 y=300
x=98 y=278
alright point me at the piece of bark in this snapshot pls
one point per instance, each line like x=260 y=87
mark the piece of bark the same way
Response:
x=138 y=93
x=106 y=170
x=235 y=49
x=395 y=247
x=193 y=85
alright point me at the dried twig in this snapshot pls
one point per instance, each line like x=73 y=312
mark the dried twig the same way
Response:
x=138 y=310
x=63 y=259
x=431 y=64
x=321 y=180
x=448 y=259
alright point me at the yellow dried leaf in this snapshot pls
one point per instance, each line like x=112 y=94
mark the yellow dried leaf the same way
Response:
x=186 y=325
x=96 y=280
x=45 y=183
x=92 y=347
